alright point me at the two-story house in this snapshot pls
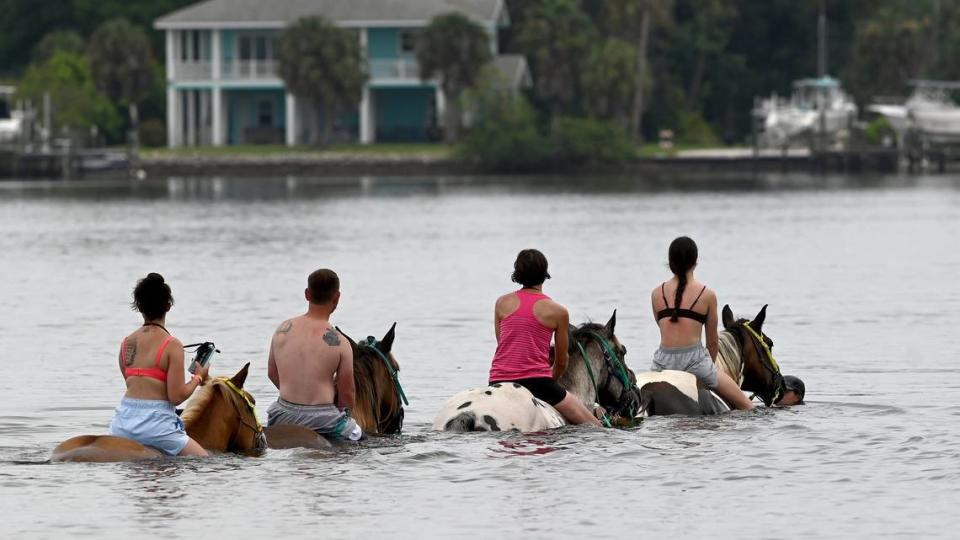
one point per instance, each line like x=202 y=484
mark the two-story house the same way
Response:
x=223 y=87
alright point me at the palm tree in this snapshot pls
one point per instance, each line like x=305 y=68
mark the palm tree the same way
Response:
x=121 y=62
x=324 y=64
x=453 y=49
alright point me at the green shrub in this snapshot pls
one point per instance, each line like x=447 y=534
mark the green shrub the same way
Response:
x=504 y=136
x=153 y=133
x=589 y=140
x=693 y=129
x=878 y=130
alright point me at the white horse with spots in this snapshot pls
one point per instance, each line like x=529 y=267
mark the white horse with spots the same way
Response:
x=509 y=406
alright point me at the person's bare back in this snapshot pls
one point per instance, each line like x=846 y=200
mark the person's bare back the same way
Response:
x=306 y=354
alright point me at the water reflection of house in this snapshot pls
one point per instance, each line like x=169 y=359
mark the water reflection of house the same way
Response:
x=223 y=88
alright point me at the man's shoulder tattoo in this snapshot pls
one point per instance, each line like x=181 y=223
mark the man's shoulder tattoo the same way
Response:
x=332 y=338
x=285 y=327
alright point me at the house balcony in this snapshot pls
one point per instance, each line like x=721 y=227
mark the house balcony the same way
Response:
x=400 y=68
x=199 y=70
x=250 y=69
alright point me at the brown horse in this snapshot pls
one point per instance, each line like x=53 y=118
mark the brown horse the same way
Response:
x=745 y=356
x=378 y=407
x=220 y=417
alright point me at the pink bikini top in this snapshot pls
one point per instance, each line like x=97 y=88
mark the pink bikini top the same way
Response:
x=153 y=372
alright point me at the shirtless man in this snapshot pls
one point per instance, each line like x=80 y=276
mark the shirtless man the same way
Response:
x=311 y=364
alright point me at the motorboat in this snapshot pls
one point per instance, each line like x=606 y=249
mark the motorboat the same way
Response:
x=929 y=113
x=817 y=107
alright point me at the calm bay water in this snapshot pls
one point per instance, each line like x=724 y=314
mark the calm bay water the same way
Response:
x=860 y=274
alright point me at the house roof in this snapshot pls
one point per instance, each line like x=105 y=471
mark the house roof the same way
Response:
x=349 y=13
x=513 y=71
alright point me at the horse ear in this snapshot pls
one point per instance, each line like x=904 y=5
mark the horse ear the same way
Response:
x=757 y=322
x=727 y=316
x=611 y=323
x=387 y=342
x=352 y=342
x=241 y=376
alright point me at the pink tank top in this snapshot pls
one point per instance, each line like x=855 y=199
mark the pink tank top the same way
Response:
x=523 y=351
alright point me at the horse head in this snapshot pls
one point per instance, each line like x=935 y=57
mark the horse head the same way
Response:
x=761 y=374
x=597 y=348
x=379 y=402
x=222 y=416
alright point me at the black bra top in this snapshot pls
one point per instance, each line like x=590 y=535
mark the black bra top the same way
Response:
x=688 y=313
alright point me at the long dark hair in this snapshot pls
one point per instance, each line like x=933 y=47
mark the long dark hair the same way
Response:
x=683 y=257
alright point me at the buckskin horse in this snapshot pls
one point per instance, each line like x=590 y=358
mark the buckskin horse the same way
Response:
x=378 y=406
x=745 y=354
x=596 y=373
x=220 y=416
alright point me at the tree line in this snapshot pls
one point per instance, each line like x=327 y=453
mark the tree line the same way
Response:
x=606 y=73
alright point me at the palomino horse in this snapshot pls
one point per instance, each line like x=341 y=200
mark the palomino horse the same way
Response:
x=378 y=406
x=745 y=354
x=596 y=373
x=220 y=417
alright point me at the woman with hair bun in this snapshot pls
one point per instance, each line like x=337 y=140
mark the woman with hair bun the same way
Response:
x=151 y=362
x=681 y=327
x=525 y=321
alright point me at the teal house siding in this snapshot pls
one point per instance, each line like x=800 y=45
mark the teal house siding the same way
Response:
x=405 y=114
x=383 y=43
x=256 y=110
x=227 y=41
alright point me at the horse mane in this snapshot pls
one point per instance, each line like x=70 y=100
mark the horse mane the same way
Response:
x=198 y=403
x=365 y=384
x=730 y=358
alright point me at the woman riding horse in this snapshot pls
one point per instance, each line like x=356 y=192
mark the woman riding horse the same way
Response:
x=524 y=322
x=680 y=327
x=151 y=362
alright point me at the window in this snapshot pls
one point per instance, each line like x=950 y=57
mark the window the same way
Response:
x=265 y=113
x=261 y=48
x=245 y=48
x=408 y=41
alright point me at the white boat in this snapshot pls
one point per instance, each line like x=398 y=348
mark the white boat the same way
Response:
x=816 y=106
x=11 y=118
x=929 y=113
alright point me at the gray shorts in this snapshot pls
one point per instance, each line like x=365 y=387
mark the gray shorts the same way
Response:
x=326 y=420
x=694 y=359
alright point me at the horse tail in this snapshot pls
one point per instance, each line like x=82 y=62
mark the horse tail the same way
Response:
x=465 y=421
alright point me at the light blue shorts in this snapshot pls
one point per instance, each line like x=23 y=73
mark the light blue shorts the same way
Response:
x=150 y=422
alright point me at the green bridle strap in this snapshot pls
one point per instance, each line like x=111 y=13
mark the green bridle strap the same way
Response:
x=596 y=389
x=371 y=343
x=621 y=369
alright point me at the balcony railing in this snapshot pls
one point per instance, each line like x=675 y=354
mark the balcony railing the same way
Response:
x=193 y=70
x=249 y=69
x=394 y=69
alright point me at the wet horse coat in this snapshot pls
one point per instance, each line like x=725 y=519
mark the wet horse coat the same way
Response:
x=510 y=406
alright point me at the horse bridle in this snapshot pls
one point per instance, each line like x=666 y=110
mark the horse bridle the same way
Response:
x=768 y=362
x=259 y=439
x=616 y=367
x=372 y=344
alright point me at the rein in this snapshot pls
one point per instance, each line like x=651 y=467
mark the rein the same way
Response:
x=371 y=344
x=763 y=350
x=615 y=367
x=260 y=441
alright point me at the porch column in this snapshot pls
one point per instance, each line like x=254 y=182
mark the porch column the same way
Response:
x=367 y=125
x=191 y=97
x=291 y=114
x=173 y=117
x=171 y=54
x=215 y=54
x=441 y=104
x=218 y=116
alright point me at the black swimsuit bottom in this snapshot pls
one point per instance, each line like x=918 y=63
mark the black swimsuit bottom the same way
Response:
x=545 y=388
